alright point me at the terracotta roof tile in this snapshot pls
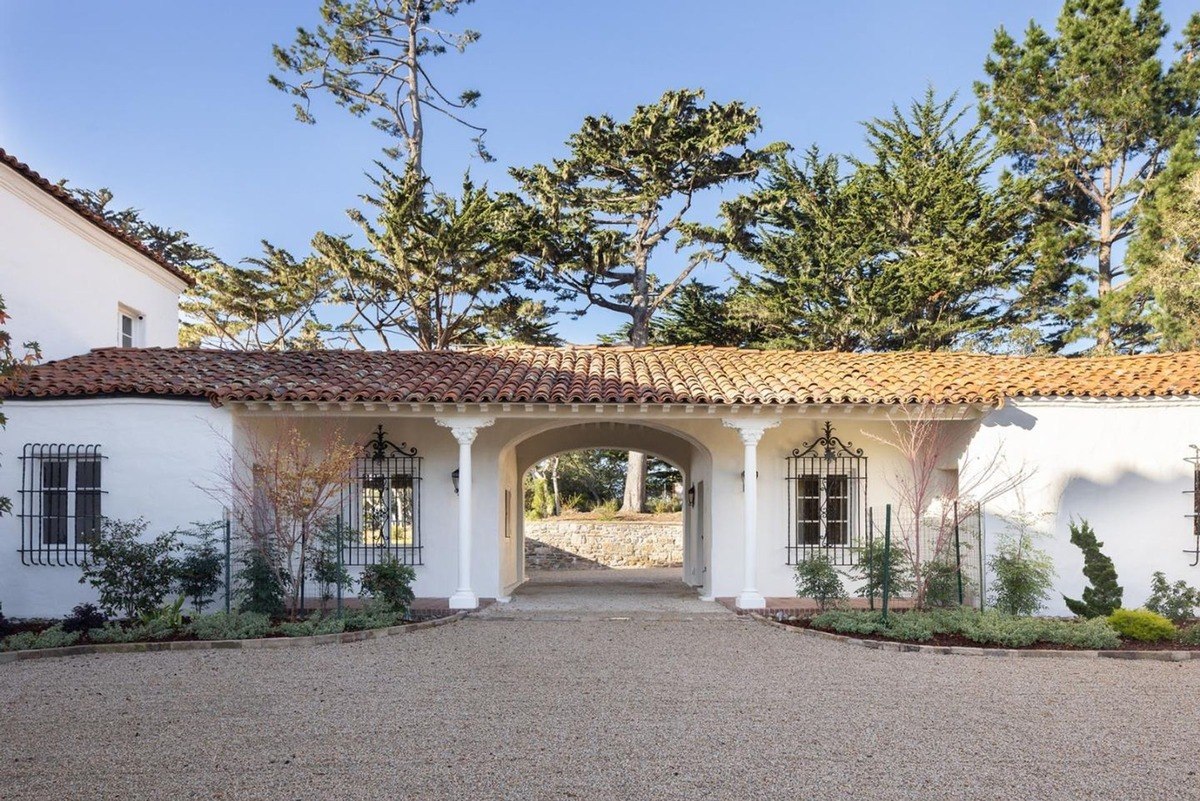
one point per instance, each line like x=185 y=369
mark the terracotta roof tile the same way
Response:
x=68 y=200
x=681 y=375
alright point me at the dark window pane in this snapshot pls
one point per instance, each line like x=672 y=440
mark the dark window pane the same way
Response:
x=837 y=510
x=809 y=505
x=54 y=502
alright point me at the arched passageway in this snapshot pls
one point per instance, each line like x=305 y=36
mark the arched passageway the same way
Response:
x=659 y=440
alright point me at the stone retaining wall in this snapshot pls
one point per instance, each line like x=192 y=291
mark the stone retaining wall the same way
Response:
x=599 y=544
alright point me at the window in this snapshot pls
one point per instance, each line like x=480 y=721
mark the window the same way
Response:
x=381 y=504
x=827 y=499
x=60 y=502
x=129 y=330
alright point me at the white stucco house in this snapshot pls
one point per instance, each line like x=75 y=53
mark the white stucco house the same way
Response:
x=71 y=281
x=784 y=454
x=447 y=436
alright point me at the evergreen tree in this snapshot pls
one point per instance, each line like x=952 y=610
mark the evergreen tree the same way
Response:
x=595 y=219
x=439 y=270
x=912 y=250
x=1088 y=117
x=1166 y=254
x=1103 y=594
x=267 y=303
x=173 y=245
x=700 y=314
x=371 y=57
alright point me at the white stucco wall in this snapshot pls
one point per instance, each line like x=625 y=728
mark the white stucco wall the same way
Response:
x=63 y=279
x=1117 y=464
x=159 y=457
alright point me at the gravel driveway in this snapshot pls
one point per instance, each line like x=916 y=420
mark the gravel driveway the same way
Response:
x=538 y=703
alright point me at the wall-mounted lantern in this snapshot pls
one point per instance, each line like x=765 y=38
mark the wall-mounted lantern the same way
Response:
x=691 y=496
x=743 y=474
x=454 y=480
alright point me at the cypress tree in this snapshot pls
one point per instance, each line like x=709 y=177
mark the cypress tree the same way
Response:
x=1103 y=594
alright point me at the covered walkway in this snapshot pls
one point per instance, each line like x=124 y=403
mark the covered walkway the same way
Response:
x=644 y=593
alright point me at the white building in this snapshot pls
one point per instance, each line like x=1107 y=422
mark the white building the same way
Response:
x=784 y=454
x=1101 y=438
x=72 y=282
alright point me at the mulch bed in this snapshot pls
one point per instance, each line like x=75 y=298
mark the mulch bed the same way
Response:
x=957 y=640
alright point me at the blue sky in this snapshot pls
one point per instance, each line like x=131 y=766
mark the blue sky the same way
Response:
x=167 y=103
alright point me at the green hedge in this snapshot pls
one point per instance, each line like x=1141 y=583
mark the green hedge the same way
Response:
x=986 y=628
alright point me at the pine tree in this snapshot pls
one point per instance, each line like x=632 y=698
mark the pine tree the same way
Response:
x=1088 y=117
x=595 y=219
x=1103 y=594
x=913 y=249
x=371 y=57
x=439 y=270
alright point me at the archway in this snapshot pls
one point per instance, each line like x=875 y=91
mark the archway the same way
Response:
x=661 y=441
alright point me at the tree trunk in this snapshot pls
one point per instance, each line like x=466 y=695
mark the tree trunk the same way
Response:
x=1104 y=276
x=554 y=484
x=634 y=498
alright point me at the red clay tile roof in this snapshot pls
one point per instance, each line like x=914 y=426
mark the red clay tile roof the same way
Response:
x=65 y=197
x=681 y=375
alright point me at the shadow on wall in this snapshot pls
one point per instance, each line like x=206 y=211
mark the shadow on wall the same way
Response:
x=1142 y=523
x=544 y=556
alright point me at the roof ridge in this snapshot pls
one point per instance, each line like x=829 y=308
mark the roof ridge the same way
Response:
x=64 y=196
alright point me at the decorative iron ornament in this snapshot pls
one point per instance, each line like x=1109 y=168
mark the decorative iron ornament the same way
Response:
x=827 y=499
x=379 y=446
x=830 y=445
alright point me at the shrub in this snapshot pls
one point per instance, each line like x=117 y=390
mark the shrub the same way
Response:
x=374 y=616
x=312 y=625
x=870 y=571
x=198 y=571
x=1142 y=624
x=665 y=504
x=847 y=622
x=985 y=629
x=390 y=583
x=131 y=574
x=1189 y=635
x=1103 y=594
x=817 y=578
x=541 y=503
x=5 y=626
x=167 y=616
x=1175 y=601
x=110 y=633
x=324 y=568
x=230 y=626
x=262 y=585
x=1022 y=576
x=606 y=510
x=83 y=617
x=53 y=637
x=941 y=583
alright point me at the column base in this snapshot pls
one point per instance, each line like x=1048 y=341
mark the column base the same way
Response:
x=751 y=599
x=464 y=599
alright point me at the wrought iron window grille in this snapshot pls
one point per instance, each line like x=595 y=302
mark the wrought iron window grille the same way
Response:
x=827 y=500
x=61 y=503
x=381 y=504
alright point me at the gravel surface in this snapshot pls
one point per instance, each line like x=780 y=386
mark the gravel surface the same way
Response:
x=534 y=704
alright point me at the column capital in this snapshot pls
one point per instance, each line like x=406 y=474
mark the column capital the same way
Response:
x=751 y=429
x=464 y=429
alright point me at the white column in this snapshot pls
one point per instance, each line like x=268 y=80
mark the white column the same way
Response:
x=751 y=432
x=464 y=430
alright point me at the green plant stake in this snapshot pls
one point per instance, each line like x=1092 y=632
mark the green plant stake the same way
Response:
x=341 y=568
x=958 y=556
x=887 y=549
x=228 y=594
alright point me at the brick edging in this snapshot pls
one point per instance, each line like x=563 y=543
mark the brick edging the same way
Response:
x=964 y=650
x=212 y=645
